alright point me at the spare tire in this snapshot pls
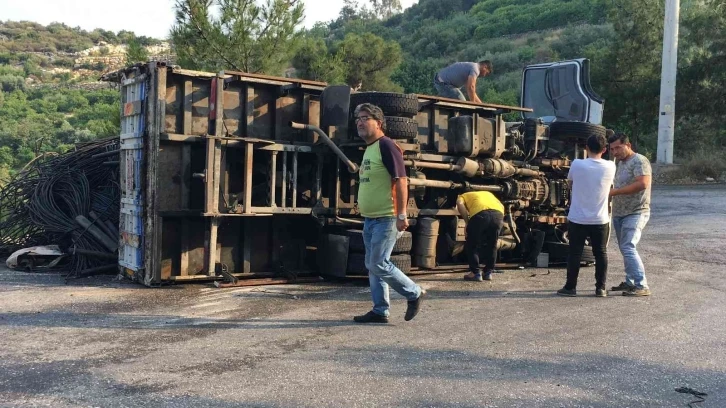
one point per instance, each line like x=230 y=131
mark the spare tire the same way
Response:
x=392 y=104
x=401 y=128
x=403 y=244
x=357 y=265
x=402 y=262
x=558 y=253
x=578 y=130
x=355 y=241
x=356 y=244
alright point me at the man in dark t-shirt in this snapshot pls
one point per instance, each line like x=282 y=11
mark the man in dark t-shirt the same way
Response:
x=449 y=80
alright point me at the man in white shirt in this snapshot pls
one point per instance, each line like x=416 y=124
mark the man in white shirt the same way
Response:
x=591 y=180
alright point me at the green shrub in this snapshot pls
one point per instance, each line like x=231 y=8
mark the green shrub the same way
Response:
x=702 y=164
x=10 y=83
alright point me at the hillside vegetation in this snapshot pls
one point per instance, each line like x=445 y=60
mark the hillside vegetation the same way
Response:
x=622 y=38
x=50 y=96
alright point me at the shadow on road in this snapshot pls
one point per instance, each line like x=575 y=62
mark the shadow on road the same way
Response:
x=143 y=322
x=588 y=379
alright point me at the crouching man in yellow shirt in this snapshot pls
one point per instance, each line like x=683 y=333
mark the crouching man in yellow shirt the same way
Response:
x=484 y=216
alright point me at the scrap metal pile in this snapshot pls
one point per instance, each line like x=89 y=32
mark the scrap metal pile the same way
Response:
x=70 y=200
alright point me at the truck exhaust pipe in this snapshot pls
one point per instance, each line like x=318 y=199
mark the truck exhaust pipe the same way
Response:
x=450 y=185
x=352 y=167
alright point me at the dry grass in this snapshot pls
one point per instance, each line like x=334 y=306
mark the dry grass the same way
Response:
x=706 y=164
x=697 y=167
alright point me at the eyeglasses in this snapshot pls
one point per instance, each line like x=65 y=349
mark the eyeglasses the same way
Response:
x=362 y=119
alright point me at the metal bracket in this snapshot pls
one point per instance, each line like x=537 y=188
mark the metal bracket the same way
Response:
x=222 y=269
x=313 y=213
x=285 y=90
x=411 y=204
x=425 y=104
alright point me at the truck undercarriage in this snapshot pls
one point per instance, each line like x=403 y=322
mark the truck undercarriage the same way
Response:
x=232 y=175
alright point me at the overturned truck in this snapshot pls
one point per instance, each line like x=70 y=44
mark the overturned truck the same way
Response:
x=233 y=175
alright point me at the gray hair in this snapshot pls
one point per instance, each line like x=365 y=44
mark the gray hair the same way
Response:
x=373 y=110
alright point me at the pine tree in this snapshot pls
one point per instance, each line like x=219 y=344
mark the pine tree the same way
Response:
x=136 y=52
x=245 y=36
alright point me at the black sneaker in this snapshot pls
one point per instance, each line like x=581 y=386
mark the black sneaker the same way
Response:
x=371 y=317
x=567 y=292
x=624 y=286
x=414 y=306
x=601 y=293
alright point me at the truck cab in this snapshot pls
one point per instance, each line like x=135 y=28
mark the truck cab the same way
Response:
x=561 y=91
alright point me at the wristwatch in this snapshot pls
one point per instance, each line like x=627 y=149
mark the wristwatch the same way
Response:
x=401 y=217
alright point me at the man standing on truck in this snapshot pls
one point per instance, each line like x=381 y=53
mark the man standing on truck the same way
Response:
x=484 y=216
x=382 y=201
x=590 y=179
x=459 y=74
x=631 y=211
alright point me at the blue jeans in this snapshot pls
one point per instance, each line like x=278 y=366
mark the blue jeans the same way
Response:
x=379 y=237
x=448 y=91
x=628 y=230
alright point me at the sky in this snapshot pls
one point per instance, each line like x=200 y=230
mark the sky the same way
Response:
x=151 y=18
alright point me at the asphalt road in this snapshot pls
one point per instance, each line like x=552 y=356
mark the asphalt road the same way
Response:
x=506 y=343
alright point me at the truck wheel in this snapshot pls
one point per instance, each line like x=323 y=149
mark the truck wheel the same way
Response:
x=355 y=241
x=401 y=128
x=579 y=130
x=356 y=244
x=357 y=265
x=588 y=258
x=392 y=104
x=402 y=262
x=403 y=244
x=559 y=252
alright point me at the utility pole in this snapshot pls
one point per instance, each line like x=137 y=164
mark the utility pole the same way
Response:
x=666 y=117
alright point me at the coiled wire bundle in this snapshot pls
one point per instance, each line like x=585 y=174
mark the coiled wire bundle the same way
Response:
x=70 y=200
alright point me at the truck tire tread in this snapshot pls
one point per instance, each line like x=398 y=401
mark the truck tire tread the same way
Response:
x=579 y=130
x=391 y=103
x=401 y=128
x=357 y=266
x=356 y=244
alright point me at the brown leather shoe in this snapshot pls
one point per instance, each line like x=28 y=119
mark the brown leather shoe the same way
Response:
x=637 y=292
